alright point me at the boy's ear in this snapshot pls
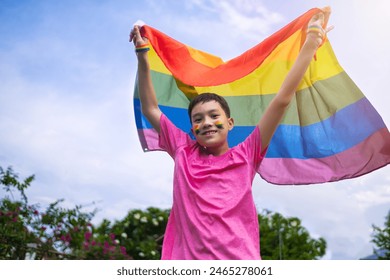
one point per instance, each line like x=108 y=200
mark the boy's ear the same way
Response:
x=231 y=123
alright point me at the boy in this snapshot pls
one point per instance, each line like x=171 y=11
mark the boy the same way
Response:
x=213 y=214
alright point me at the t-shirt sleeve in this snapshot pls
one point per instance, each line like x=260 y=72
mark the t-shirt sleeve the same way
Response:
x=171 y=137
x=252 y=148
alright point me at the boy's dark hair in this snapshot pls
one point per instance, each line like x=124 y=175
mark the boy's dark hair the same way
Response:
x=206 y=97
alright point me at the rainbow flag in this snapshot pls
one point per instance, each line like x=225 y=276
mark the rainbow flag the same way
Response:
x=330 y=131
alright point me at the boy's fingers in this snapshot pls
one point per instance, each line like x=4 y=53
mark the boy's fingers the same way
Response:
x=320 y=19
x=134 y=34
x=329 y=28
x=137 y=34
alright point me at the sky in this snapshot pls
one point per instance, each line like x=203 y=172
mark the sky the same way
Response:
x=67 y=74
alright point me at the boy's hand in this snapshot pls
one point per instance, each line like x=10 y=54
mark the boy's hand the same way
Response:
x=317 y=28
x=136 y=38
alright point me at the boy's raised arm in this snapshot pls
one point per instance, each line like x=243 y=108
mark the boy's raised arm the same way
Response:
x=276 y=109
x=147 y=95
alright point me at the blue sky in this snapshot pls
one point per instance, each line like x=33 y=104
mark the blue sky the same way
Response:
x=66 y=82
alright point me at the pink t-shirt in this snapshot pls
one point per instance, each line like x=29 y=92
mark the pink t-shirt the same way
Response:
x=213 y=215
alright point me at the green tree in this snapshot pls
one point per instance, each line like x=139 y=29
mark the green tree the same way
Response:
x=26 y=231
x=141 y=232
x=381 y=238
x=286 y=238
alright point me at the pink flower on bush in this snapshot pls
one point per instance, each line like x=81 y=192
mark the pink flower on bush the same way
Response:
x=87 y=235
x=66 y=238
x=106 y=247
x=123 y=250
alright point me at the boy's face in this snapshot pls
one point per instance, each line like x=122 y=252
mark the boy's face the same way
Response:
x=210 y=125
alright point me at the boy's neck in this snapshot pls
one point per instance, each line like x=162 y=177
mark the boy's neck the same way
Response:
x=216 y=151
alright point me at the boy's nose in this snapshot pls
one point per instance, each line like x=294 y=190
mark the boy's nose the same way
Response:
x=206 y=125
x=207 y=122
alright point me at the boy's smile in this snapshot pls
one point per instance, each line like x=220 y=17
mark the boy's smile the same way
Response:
x=209 y=132
x=210 y=126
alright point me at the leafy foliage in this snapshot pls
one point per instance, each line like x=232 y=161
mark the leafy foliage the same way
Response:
x=381 y=238
x=141 y=232
x=27 y=232
x=286 y=238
